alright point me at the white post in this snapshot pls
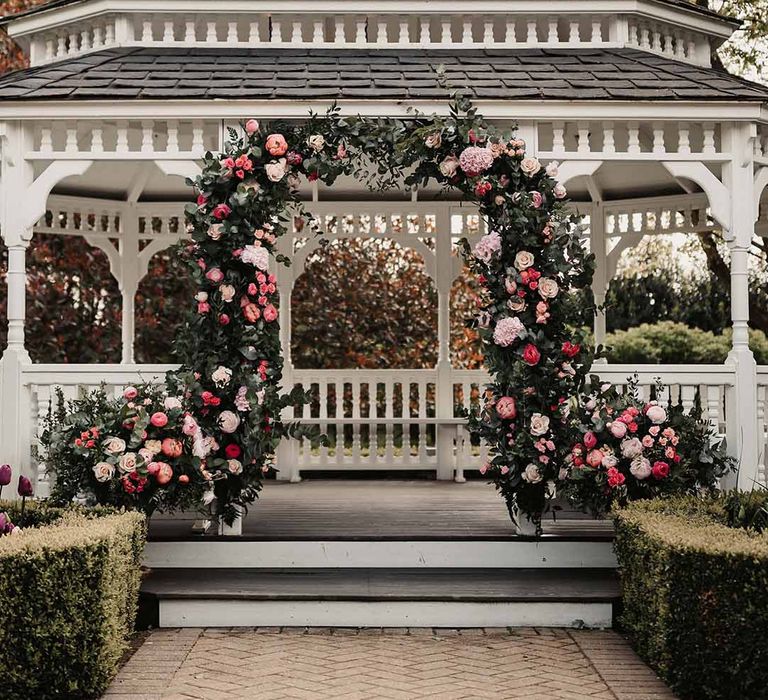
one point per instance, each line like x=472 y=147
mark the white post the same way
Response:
x=445 y=433
x=600 y=281
x=287 y=451
x=743 y=440
x=15 y=417
x=128 y=277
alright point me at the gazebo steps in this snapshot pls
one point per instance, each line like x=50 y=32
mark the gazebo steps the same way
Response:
x=381 y=597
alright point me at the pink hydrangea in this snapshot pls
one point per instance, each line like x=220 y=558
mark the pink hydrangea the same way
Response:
x=488 y=246
x=507 y=331
x=475 y=160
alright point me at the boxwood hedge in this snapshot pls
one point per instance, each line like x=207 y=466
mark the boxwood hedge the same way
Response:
x=694 y=596
x=68 y=602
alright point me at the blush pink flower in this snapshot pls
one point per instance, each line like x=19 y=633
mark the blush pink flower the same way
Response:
x=159 y=419
x=488 y=246
x=221 y=211
x=214 y=275
x=506 y=407
x=475 y=160
x=270 y=313
x=507 y=331
x=537 y=199
x=276 y=144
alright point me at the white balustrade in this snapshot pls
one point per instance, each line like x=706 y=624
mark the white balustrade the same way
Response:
x=387 y=419
x=620 y=140
x=375 y=28
x=762 y=424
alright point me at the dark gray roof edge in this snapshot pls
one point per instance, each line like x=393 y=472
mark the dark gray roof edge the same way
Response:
x=683 y=4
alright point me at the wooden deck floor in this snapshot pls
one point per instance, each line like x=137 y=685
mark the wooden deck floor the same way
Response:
x=349 y=510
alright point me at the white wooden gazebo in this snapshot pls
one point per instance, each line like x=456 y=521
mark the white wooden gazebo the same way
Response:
x=123 y=97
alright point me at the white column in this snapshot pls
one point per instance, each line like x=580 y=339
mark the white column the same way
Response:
x=128 y=277
x=287 y=450
x=445 y=434
x=15 y=417
x=601 y=279
x=743 y=439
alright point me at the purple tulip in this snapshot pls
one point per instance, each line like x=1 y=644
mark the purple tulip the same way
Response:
x=5 y=474
x=25 y=486
x=3 y=523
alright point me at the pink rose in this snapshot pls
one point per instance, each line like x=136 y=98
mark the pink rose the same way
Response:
x=615 y=478
x=251 y=312
x=153 y=468
x=655 y=413
x=221 y=211
x=164 y=473
x=660 y=470
x=590 y=440
x=159 y=419
x=130 y=393
x=595 y=458
x=172 y=447
x=506 y=407
x=251 y=127
x=276 y=145
x=214 y=275
x=536 y=199
x=647 y=441
x=270 y=313
x=559 y=191
x=618 y=429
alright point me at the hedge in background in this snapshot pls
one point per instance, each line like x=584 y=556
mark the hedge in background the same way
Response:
x=668 y=342
x=695 y=599
x=68 y=602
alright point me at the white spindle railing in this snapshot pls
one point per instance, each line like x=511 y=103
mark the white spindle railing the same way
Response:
x=388 y=419
x=762 y=424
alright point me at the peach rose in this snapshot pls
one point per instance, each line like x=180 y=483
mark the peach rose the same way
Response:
x=172 y=447
x=164 y=473
x=276 y=145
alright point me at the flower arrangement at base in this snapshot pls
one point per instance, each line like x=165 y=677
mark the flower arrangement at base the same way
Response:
x=132 y=451
x=630 y=449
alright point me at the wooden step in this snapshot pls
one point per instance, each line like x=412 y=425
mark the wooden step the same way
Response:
x=365 y=597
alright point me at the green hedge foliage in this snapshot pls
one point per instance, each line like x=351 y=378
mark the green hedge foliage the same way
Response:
x=68 y=602
x=694 y=592
x=668 y=342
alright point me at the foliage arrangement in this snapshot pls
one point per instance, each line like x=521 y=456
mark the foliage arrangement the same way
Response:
x=68 y=603
x=694 y=597
x=527 y=265
x=630 y=449
x=136 y=451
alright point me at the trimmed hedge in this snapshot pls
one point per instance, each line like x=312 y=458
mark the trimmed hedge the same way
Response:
x=68 y=602
x=694 y=592
x=669 y=342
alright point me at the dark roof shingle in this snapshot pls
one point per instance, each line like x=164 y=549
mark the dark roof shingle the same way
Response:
x=544 y=74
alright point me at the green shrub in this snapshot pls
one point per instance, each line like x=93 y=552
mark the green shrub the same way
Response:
x=694 y=594
x=676 y=343
x=67 y=604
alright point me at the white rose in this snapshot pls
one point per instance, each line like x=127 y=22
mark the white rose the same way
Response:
x=276 y=170
x=631 y=448
x=548 y=288
x=553 y=169
x=215 y=231
x=523 y=260
x=530 y=166
x=256 y=255
x=539 y=424
x=171 y=403
x=228 y=421
x=433 y=140
x=221 y=376
x=316 y=142
x=640 y=468
x=235 y=466
x=154 y=446
x=201 y=296
x=610 y=461
x=516 y=304
x=103 y=471
x=114 y=445
x=227 y=292
x=449 y=166
x=656 y=414
x=532 y=474
x=559 y=191
x=128 y=462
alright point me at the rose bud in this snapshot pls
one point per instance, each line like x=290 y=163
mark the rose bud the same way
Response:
x=25 y=486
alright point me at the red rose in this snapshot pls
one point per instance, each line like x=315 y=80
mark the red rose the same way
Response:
x=221 y=211
x=232 y=451
x=531 y=355
x=571 y=349
x=615 y=477
x=660 y=470
x=202 y=200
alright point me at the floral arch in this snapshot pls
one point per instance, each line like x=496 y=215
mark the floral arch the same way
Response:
x=230 y=348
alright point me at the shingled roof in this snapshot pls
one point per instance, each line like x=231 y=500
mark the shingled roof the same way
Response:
x=395 y=74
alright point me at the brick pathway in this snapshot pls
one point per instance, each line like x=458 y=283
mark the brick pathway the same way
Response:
x=269 y=663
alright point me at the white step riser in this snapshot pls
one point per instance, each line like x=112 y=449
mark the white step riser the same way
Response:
x=387 y=554
x=245 y=613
